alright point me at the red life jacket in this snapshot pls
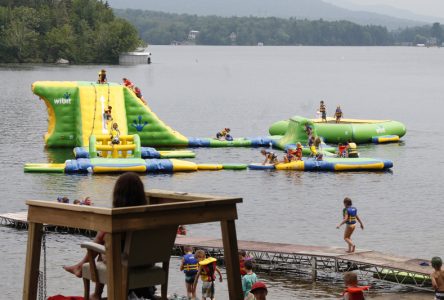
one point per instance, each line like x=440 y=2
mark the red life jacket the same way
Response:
x=242 y=267
x=356 y=292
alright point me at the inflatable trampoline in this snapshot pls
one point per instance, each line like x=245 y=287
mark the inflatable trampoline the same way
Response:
x=358 y=131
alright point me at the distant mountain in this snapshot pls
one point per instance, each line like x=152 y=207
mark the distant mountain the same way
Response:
x=386 y=10
x=302 y=9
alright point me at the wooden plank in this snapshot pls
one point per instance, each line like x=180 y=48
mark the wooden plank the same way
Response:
x=231 y=259
x=176 y=217
x=114 y=266
x=32 y=261
x=69 y=218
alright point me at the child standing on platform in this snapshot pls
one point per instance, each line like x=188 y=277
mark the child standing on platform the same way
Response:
x=207 y=272
x=189 y=266
x=350 y=215
x=323 y=111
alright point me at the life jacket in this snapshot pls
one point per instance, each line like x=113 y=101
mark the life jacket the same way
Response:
x=128 y=83
x=322 y=108
x=208 y=269
x=352 y=149
x=352 y=212
x=190 y=264
x=313 y=150
x=223 y=133
x=356 y=292
x=342 y=151
x=338 y=113
x=115 y=132
x=242 y=266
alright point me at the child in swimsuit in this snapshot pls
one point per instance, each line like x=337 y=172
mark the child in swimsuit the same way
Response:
x=438 y=278
x=115 y=133
x=338 y=114
x=224 y=134
x=270 y=157
x=298 y=153
x=323 y=111
x=102 y=77
x=350 y=215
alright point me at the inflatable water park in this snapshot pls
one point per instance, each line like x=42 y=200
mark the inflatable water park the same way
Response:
x=111 y=129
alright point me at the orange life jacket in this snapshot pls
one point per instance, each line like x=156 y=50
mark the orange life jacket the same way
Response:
x=356 y=292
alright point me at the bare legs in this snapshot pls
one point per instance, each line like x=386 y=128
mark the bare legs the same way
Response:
x=347 y=237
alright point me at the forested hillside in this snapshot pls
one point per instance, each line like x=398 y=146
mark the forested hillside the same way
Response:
x=164 y=28
x=81 y=31
x=300 y=9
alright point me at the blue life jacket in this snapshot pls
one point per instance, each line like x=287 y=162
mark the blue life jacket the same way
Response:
x=190 y=264
x=352 y=212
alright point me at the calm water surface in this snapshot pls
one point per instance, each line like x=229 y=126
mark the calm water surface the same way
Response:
x=199 y=90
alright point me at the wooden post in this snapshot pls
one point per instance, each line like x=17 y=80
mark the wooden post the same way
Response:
x=314 y=268
x=32 y=264
x=113 y=244
x=229 y=240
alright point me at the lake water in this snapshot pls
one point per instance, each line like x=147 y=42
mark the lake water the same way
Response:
x=198 y=91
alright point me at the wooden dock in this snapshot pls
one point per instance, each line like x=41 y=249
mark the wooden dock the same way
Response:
x=19 y=220
x=291 y=258
x=315 y=261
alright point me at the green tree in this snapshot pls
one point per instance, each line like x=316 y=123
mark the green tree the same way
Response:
x=437 y=32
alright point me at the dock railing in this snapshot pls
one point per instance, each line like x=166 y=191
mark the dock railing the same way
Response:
x=165 y=209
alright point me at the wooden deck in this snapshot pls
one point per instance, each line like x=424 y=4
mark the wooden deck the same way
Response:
x=412 y=272
x=290 y=258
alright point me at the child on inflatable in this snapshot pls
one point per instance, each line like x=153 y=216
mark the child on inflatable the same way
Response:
x=342 y=150
x=438 y=278
x=352 y=290
x=207 y=272
x=298 y=153
x=189 y=265
x=270 y=157
x=352 y=149
x=323 y=111
x=338 y=114
x=224 y=134
x=128 y=83
x=138 y=93
x=115 y=134
x=102 y=77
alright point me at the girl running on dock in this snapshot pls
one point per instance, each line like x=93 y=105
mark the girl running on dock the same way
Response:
x=350 y=215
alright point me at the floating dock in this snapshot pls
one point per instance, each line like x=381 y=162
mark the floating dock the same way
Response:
x=291 y=258
x=294 y=259
x=19 y=220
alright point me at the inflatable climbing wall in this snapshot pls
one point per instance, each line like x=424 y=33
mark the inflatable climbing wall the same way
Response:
x=76 y=110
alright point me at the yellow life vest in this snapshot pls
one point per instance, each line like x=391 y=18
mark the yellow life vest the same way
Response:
x=208 y=274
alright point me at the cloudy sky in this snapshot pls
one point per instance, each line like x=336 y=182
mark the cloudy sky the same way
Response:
x=426 y=7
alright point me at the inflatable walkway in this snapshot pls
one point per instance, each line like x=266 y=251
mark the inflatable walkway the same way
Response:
x=329 y=164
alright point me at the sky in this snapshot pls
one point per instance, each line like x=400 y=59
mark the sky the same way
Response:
x=425 y=7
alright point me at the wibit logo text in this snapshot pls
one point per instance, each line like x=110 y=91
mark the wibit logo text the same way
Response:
x=65 y=100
